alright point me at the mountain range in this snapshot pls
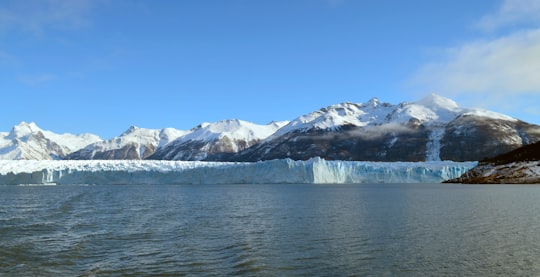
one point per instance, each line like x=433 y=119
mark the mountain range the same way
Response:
x=431 y=129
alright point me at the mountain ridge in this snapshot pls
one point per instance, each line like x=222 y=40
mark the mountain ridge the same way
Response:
x=433 y=128
x=430 y=129
x=28 y=142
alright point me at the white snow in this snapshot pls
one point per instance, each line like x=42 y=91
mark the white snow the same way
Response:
x=488 y=114
x=438 y=103
x=238 y=133
x=314 y=170
x=432 y=109
x=234 y=129
x=134 y=135
x=433 y=147
x=525 y=172
x=28 y=141
x=142 y=138
x=167 y=135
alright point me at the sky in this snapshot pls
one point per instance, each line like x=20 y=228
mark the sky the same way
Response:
x=100 y=66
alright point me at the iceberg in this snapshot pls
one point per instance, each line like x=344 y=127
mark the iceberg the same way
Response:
x=285 y=171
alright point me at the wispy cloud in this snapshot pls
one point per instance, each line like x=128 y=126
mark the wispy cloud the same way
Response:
x=509 y=13
x=8 y=60
x=38 y=79
x=500 y=71
x=39 y=19
x=507 y=64
x=36 y=16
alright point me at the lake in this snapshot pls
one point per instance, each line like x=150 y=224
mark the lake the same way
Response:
x=270 y=230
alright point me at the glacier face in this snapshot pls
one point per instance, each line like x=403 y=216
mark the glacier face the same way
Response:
x=313 y=171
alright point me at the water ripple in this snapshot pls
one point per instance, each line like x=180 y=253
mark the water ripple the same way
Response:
x=274 y=230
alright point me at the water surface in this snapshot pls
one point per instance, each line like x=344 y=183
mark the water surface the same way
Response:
x=270 y=230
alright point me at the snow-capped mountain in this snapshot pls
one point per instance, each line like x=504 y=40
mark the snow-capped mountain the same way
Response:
x=216 y=141
x=431 y=129
x=27 y=141
x=134 y=144
x=434 y=128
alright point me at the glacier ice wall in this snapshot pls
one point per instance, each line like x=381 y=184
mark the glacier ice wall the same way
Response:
x=313 y=171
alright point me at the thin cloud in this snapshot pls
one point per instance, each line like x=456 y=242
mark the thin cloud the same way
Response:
x=507 y=64
x=35 y=80
x=499 y=72
x=8 y=60
x=36 y=16
x=510 y=13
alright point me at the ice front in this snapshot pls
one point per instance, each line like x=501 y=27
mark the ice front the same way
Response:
x=286 y=171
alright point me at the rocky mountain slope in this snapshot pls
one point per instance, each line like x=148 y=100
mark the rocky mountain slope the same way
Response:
x=134 y=144
x=520 y=166
x=434 y=128
x=27 y=141
x=431 y=129
x=216 y=141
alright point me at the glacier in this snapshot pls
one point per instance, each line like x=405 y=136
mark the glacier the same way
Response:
x=285 y=171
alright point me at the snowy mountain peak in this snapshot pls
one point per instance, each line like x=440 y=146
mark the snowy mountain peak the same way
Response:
x=232 y=128
x=28 y=141
x=373 y=102
x=213 y=140
x=433 y=110
x=131 y=130
x=226 y=125
x=200 y=126
x=277 y=124
x=437 y=102
x=167 y=135
x=23 y=130
x=134 y=143
x=432 y=128
x=30 y=125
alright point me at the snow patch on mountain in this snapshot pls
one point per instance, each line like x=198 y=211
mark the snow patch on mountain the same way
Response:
x=525 y=172
x=432 y=128
x=433 y=147
x=218 y=138
x=335 y=116
x=26 y=141
x=234 y=129
x=432 y=109
x=168 y=135
x=134 y=143
x=425 y=119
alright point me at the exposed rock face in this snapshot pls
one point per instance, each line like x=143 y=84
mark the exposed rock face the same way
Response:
x=128 y=151
x=520 y=166
x=134 y=144
x=198 y=150
x=216 y=141
x=511 y=173
x=471 y=138
x=27 y=141
x=432 y=129
x=348 y=143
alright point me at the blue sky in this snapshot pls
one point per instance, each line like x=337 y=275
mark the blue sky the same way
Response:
x=100 y=66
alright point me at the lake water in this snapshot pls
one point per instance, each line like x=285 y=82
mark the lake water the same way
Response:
x=270 y=230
